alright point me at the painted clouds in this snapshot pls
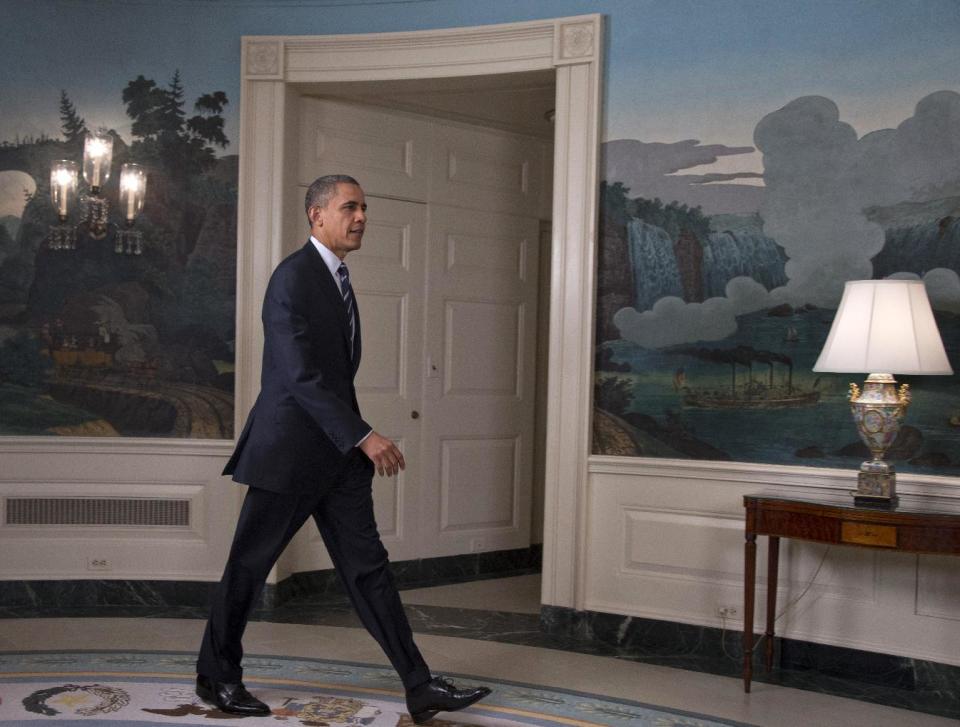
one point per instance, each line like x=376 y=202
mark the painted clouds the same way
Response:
x=819 y=178
x=651 y=170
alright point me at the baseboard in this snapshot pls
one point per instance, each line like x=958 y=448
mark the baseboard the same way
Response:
x=23 y=599
x=880 y=678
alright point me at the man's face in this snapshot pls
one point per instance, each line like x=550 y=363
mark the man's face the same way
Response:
x=340 y=224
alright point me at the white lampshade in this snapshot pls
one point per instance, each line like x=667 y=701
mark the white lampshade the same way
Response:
x=884 y=326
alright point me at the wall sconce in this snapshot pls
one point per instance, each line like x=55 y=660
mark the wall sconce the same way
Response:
x=133 y=187
x=63 y=192
x=97 y=156
x=95 y=210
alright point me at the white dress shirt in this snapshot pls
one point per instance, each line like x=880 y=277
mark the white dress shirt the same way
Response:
x=333 y=264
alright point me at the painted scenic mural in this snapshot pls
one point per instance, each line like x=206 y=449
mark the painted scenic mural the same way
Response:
x=95 y=342
x=755 y=155
x=715 y=298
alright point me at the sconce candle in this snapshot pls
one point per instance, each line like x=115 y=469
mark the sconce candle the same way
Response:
x=63 y=185
x=133 y=187
x=97 y=156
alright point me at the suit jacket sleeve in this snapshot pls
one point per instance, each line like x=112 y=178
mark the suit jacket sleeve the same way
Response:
x=302 y=354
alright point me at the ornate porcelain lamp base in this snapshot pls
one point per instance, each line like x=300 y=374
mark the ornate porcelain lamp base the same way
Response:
x=878 y=411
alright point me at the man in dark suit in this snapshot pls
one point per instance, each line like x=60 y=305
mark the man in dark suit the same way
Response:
x=305 y=451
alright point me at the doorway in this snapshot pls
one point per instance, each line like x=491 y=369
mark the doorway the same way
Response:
x=274 y=70
x=456 y=177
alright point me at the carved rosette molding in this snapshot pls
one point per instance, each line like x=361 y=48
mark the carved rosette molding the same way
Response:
x=264 y=59
x=576 y=43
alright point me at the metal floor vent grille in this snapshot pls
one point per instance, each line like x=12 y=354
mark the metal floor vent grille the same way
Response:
x=164 y=513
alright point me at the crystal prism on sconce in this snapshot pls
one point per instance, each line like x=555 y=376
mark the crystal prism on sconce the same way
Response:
x=94 y=208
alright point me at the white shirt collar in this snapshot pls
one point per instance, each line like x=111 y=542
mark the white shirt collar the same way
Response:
x=331 y=260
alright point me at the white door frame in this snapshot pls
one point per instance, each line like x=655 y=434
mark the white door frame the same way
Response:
x=272 y=68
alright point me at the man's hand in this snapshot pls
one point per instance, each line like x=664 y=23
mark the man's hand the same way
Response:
x=384 y=454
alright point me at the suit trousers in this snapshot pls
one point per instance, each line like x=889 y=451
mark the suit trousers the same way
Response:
x=343 y=511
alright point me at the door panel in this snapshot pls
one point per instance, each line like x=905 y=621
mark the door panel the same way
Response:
x=478 y=437
x=467 y=324
x=388 y=277
x=388 y=153
x=469 y=467
x=485 y=169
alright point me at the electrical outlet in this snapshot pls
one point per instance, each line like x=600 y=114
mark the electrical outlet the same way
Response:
x=727 y=611
x=476 y=545
x=99 y=564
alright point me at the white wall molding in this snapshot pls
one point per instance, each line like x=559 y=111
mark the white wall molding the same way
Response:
x=114 y=445
x=913 y=488
x=481 y=50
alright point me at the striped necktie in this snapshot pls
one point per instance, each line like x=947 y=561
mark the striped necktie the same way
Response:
x=347 y=291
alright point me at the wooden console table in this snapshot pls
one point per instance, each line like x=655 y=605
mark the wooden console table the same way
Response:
x=834 y=521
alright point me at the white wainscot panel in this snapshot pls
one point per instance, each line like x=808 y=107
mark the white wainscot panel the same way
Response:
x=665 y=541
x=469 y=466
x=686 y=566
x=79 y=546
x=381 y=369
x=118 y=473
x=938 y=588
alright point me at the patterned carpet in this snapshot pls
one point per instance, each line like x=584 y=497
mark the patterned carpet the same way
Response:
x=115 y=688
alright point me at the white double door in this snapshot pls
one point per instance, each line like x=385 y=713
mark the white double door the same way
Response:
x=448 y=321
x=447 y=292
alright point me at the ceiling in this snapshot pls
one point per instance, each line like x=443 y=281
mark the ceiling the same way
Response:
x=516 y=102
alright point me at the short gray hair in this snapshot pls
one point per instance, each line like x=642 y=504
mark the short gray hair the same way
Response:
x=323 y=188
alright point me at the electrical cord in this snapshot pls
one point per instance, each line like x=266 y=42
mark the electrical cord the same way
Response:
x=794 y=602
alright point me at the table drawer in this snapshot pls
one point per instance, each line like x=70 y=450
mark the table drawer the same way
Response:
x=860 y=533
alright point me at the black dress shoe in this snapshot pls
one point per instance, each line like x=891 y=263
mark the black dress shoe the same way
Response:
x=440 y=695
x=230 y=697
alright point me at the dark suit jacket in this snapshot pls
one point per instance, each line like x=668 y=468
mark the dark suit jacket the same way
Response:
x=306 y=418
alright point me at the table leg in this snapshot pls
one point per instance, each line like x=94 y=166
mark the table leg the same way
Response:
x=749 y=584
x=773 y=563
